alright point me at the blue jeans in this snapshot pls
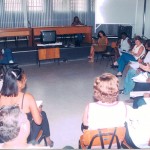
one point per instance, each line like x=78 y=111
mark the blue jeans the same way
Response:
x=7 y=56
x=138 y=101
x=123 y=60
x=128 y=82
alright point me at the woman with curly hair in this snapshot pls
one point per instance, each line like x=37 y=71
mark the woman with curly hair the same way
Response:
x=107 y=111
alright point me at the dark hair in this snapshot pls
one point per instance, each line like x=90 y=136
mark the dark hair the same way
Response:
x=101 y=32
x=9 y=122
x=10 y=86
x=124 y=33
x=147 y=43
x=76 y=17
x=138 y=38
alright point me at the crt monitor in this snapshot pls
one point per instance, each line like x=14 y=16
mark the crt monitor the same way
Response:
x=48 y=36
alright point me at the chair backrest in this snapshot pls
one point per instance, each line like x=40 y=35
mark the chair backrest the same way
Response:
x=102 y=137
x=114 y=44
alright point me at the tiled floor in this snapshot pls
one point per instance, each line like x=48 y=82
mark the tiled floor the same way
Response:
x=65 y=90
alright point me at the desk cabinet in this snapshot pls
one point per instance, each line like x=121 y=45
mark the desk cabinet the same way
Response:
x=48 y=53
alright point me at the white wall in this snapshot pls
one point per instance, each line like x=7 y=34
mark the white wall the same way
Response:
x=124 y=12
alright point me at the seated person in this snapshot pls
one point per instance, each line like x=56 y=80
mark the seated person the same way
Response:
x=6 y=56
x=14 y=128
x=14 y=81
x=137 y=52
x=143 y=86
x=77 y=22
x=129 y=84
x=99 y=45
x=107 y=111
x=123 y=45
x=138 y=127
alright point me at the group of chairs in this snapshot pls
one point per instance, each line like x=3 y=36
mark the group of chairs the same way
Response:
x=108 y=138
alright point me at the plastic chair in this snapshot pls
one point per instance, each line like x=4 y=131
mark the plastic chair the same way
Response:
x=102 y=137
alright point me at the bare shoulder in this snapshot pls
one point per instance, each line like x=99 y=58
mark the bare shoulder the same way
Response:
x=29 y=97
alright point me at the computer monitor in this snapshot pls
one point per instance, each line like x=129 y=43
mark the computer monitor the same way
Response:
x=48 y=36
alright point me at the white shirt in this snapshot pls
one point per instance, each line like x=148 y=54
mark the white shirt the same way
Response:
x=124 y=45
x=136 y=49
x=139 y=126
x=102 y=115
x=147 y=58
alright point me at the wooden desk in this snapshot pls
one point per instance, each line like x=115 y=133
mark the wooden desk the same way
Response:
x=48 y=53
x=64 y=30
x=17 y=32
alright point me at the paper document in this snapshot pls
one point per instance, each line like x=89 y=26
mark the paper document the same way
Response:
x=39 y=103
x=142 y=77
x=138 y=93
x=147 y=100
x=134 y=64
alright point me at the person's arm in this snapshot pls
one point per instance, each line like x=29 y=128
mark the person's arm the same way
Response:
x=145 y=67
x=139 y=52
x=106 y=41
x=34 y=109
x=129 y=42
x=85 y=116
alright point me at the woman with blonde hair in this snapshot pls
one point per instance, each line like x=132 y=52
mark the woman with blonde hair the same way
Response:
x=107 y=111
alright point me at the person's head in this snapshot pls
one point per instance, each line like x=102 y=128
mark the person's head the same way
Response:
x=106 y=88
x=13 y=124
x=147 y=45
x=76 y=19
x=124 y=35
x=13 y=81
x=138 y=40
x=101 y=34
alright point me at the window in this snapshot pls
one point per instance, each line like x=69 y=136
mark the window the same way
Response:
x=13 y=5
x=79 y=5
x=61 y=5
x=35 y=5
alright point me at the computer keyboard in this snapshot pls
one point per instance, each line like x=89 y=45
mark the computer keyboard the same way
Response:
x=51 y=44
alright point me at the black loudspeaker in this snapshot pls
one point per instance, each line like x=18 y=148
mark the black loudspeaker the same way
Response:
x=126 y=29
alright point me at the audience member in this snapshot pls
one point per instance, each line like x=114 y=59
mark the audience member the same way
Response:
x=98 y=45
x=77 y=22
x=137 y=52
x=129 y=84
x=123 y=45
x=12 y=93
x=107 y=111
x=6 y=56
x=14 y=128
x=138 y=127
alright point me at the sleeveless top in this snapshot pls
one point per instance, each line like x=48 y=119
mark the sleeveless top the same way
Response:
x=106 y=116
x=136 y=49
x=125 y=45
x=101 y=45
x=29 y=115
